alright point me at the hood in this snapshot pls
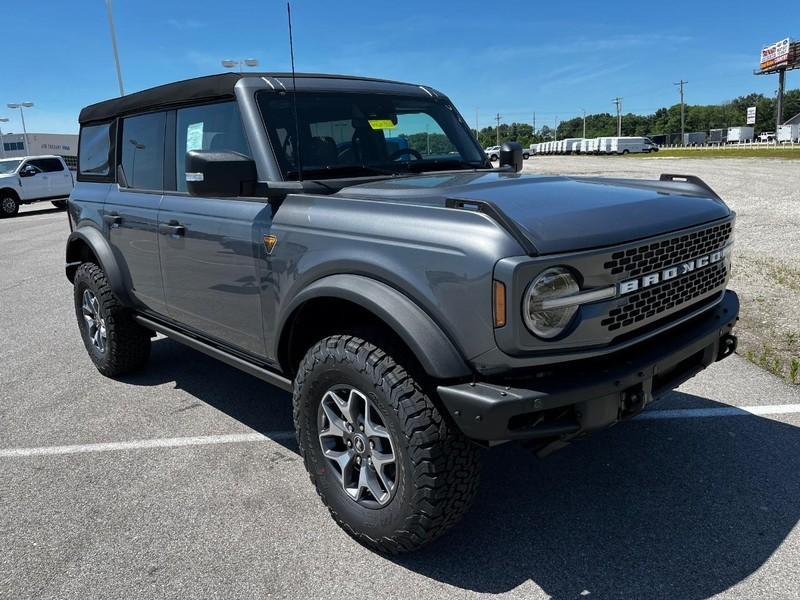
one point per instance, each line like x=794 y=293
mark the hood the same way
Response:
x=562 y=214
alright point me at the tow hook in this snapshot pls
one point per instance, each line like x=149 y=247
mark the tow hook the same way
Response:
x=727 y=346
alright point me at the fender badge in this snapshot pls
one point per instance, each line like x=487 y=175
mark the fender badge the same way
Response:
x=269 y=242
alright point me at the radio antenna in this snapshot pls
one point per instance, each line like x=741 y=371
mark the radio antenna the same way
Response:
x=298 y=154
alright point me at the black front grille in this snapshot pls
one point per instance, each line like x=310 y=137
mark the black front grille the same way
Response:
x=667 y=253
x=653 y=301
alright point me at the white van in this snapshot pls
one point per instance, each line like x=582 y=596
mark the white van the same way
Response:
x=630 y=145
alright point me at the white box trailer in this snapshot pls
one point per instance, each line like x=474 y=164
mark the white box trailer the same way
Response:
x=603 y=145
x=740 y=134
x=696 y=138
x=789 y=133
x=631 y=145
x=571 y=145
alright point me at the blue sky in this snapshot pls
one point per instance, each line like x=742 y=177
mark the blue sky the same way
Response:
x=515 y=58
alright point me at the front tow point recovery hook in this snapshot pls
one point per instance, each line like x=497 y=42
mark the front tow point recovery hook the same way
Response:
x=727 y=346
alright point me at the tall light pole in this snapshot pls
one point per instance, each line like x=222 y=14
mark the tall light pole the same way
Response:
x=618 y=102
x=2 y=146
x=114 y=46
x=682 y=83
x=584 y=123
x=497 y=118
x=248 y=62
x=20 y=106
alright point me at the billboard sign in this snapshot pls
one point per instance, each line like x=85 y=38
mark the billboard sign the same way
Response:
x=775 y=55
x=751 y=115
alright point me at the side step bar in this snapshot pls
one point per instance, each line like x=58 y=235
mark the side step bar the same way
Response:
x=234 y=361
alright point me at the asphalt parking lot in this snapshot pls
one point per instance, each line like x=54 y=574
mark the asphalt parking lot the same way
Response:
x=184 y=482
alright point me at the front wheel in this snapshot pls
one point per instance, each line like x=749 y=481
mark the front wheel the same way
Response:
x=9 y=204
x=494 y=157
x=392 y=471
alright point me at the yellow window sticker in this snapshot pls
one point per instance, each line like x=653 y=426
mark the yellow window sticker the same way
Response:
x=381 y=124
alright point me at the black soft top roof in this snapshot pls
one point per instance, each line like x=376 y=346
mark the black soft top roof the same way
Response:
x=221 y=86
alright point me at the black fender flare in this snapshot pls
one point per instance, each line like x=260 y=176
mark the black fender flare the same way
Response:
x=429 y=344
x=101 y=249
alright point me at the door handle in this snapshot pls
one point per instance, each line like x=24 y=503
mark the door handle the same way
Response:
x=174 y=229
x=113 y=220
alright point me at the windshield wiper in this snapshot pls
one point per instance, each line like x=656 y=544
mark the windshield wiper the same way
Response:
x=444 y=165
x=349 y=171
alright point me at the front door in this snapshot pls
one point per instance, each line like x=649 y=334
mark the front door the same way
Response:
x=130 y=213
x=210 y=247
x=33 y=181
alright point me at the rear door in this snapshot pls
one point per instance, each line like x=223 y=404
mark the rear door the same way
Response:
x=210 y=246
x=130 y=213
x=58 y=181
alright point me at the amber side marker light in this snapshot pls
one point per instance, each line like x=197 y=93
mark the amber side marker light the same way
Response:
x=499 y=304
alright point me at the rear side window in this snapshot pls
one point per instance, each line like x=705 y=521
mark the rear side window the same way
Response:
x=209 y=127
x=48 y=165
x=94 y=152
x=143 y=151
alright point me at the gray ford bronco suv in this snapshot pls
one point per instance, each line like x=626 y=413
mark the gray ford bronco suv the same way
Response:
x=347 y=240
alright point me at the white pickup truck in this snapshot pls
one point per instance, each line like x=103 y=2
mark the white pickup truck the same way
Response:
x=32 y=179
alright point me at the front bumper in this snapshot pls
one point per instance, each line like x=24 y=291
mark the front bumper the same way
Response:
x=572 y=398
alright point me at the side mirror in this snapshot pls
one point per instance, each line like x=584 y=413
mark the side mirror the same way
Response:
x=212 y=173
x=27 y=171
x=511 y=156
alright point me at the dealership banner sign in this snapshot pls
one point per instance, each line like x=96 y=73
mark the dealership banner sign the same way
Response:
x=775 y=55
x=751 y=115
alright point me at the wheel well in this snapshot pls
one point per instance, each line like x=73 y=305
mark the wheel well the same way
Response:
x=11 y=191
x=319 y=318
x=78 y=251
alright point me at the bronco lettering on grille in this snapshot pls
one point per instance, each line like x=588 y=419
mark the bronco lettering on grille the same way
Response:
x=651 y=279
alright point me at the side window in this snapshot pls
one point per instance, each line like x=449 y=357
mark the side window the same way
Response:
x=48 y=165
x=207 y=127
x=143 y=151
x=94 y=153
x=38 y=163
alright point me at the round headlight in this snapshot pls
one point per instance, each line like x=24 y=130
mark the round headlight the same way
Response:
x=541 y=310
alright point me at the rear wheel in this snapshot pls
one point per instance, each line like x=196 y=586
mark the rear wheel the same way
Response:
x=392 y=471
x=59 y=203
x=115 y=342
x=9 y=204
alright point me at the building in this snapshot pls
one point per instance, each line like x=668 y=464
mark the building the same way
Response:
x=795 y=120
x=60 y=144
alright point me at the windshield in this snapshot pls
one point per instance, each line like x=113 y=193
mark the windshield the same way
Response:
x=354 y=135
x=8 y=166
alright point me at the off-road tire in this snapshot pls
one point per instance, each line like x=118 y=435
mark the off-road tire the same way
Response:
x=59 y=203
x=128 y=344
x=9 y=204
x=438 y=469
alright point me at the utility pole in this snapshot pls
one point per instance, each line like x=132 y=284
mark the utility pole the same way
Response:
x=555 y=130
x=584 y=123
x=618 y=102
x=534 y=124
x=476 y=124
x=497 y=131
x=681 y=83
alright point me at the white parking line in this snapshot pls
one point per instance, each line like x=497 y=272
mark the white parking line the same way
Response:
x=285 y=435
x=198 y=440
x=723 y=411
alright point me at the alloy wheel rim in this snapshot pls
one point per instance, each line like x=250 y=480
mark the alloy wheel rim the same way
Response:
x=94 y=321
x=8 y=205
x=356 y=443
